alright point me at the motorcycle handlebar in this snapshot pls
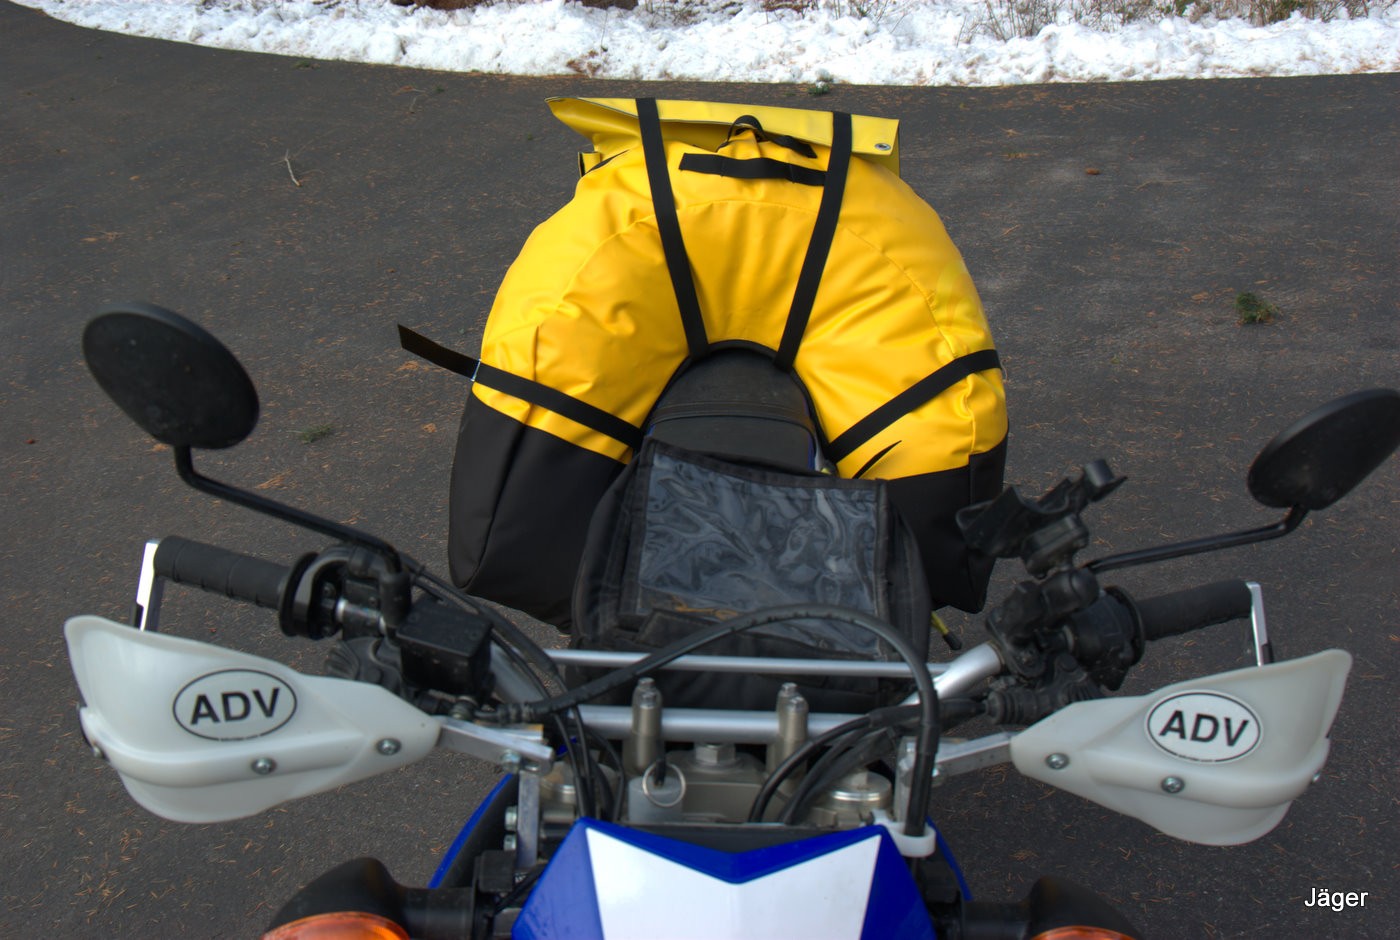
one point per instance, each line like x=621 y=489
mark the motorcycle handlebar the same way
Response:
x=220 y=571
x=1194 y=608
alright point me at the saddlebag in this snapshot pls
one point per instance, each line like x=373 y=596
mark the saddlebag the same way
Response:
x=683 y=540
x=697 y=227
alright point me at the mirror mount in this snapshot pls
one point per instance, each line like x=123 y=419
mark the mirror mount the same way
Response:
x=184 y=466
x=1198 y=546
x=382 y=568
x=1310 y=465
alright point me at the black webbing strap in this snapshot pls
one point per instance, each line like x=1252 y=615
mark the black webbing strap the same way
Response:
x=672 y=244
x=436 y=353
x=753 y=168
x=921 y=392
x=747 y=122
x=828 y=212
x=527 y=390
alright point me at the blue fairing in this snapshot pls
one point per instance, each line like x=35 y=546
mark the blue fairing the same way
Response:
x=451 y=855
x=610 y=882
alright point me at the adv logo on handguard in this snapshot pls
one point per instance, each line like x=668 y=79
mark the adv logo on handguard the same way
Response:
x=234 y=704
x=1208 y=727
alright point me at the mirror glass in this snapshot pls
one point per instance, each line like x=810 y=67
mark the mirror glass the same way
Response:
x=171 y=376
x=1322 y=456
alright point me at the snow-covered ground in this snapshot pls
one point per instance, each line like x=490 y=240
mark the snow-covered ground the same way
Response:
x=905 y=42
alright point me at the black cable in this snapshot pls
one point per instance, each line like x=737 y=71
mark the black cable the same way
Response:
x=606 y=748
x=835 y=764
x=844 y=757
x=511 y=634
x=789 y=766
x=926 y=744
x=952 y=712
x=523 y=666
x=518 y=647
x=625 y=675
x=522 y=888
x=583 y=784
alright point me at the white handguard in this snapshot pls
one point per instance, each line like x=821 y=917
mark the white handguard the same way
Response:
x=1215 y=760
x=200 y=734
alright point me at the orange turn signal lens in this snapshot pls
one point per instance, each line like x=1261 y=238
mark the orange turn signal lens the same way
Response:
x=342 y=925
x=1081 y=933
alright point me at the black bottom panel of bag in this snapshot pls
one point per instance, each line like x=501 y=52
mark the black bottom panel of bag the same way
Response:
x=521 y=502
x=684 y=539
x=957 y=577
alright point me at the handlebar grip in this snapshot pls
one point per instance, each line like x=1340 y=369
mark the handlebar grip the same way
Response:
x=1194 y=608
x=241 y=577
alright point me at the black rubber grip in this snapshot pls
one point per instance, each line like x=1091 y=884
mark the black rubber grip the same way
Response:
x=1194 y=608
x=221 y=571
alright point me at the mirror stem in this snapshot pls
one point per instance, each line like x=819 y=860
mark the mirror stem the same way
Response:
x=1197 y=546
x=184 y=465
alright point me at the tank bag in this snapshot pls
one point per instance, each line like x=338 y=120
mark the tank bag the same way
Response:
x=697 y=226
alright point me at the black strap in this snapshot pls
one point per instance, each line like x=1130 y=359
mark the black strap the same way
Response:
x=755 y=168
x=436 y=353
x=747 y=122
x=823 y=231
x=535 y=393
x=921 y=392
x=527 y=390
x=603 y=162
x=672 y=244
x=879 y=456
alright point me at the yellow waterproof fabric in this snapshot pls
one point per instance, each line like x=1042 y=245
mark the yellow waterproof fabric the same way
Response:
x=588 y=307
x=611 y=124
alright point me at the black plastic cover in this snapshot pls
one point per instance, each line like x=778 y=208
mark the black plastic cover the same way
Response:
x=445 y=649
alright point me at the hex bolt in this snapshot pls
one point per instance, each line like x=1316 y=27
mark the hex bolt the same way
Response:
x=1173 y=784
x=512 y=819
x=264 y=766
x=714 y=755
x=510 y=762
x=508 y=843
x=388 y=747
x=1057 y=761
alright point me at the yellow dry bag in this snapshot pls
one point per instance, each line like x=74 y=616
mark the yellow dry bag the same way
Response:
x=698 y=226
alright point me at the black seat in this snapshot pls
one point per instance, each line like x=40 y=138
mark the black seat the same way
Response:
x=737 y=405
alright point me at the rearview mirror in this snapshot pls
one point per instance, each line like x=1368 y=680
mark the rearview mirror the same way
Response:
x=1323 y=455
x=185 y=389
x=172 y=377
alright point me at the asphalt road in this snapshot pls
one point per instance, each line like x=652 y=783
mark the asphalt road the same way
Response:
x=1110 y=228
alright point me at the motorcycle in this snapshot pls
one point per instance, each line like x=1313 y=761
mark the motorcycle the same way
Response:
x=642 y=819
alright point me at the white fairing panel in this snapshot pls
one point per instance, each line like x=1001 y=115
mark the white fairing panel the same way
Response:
x=200 y=734
x=638 y=891
x=1215 y=760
